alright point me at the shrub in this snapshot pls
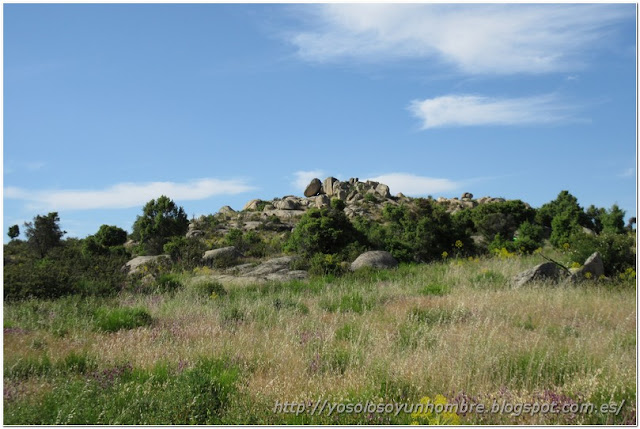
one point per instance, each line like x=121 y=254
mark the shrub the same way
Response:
x=435 y=289
x=501 y=218
x=185 y=252
x=115 y=319
x=168 y=283
x=322 y=264
x=325 y=230
x=418 y=233
x=209 y=289
x=617 y=250
x=528 y=237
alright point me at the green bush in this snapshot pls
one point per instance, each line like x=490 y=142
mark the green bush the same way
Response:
x=322 y=265
x=208 y=289
x=115 y=319
x=185 y=252
x=168 y=283
x=618 y=251
x=421 y=232
x=435 y=289
x=325 y=230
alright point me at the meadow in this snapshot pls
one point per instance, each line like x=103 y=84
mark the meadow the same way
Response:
x=201 y=354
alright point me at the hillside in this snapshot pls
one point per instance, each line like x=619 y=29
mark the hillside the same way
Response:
x=349 y=295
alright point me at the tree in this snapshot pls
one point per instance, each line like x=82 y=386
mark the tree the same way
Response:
x=14 y=232
x=110 y=235
x=161 y=219
x=326 y=230
x=613 y=220
x=43 y=234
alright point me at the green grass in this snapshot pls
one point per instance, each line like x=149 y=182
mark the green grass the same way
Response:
x=114 y=319
x=204 y=353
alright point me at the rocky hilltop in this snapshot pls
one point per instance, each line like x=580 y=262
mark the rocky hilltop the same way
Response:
x=361 y=199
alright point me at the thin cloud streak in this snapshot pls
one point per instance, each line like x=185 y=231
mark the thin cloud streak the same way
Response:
x=475 y=39
x=302 y=178
x=471 y=110
x=414 y=185
x=125 y=195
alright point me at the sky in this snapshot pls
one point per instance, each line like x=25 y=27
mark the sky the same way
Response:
x=107 y=106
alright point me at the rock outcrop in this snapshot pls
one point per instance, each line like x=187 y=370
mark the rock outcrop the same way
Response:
x=547 y=271
x=313 y=188
x=592 y=269
x=136 y=264
x=374 y=259
x=223 y=254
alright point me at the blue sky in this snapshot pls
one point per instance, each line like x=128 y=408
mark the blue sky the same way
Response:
x=107 y=106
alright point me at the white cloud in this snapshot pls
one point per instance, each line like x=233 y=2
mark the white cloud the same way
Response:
x=476 y=39
x=125 y=195
x=629 y=172
x=302 y=178
x=410 y=184
x=466 y=110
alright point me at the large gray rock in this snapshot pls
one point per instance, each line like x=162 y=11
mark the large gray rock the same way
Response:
x=542 y=272
x=194 y=233
x=286 y=204
x=226 y=254
x=322 y=201
x=226 y=210
x=374 y=259
x=252 y=205
x=136 y=264
x=383 y=190
x=313 y=188
x=327 y=186
x=593 y=268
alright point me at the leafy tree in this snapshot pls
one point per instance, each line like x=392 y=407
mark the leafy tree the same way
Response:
x=528 y=237
x=613 y=220
x=43 y=234
x=108 y=240
x=564 y=203
x=14 y=232
x=161 y=220
x=502 y=218
x=109 y=235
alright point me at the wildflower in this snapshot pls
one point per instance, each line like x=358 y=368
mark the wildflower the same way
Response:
x=435 y=413
x=444 y=255
x=588 y=275
x=566 y=246
x=459 y=244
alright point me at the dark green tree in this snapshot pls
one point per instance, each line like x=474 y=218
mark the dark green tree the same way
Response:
x=14 y=232
x=326 y=230
x=44 y=233
x=110 y=235
x=613 y=220
x=161 y=219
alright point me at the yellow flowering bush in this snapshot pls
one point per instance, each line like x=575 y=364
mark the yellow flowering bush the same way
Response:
x=435 y=412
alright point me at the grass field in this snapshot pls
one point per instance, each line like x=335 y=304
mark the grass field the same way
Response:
x=206 y=355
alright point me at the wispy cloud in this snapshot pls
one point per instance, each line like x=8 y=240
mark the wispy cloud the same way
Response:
x=467 y=110
x=475 y=39
x=302 y=178
x=125 y=195
x=629 y=172
x=413 y=185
